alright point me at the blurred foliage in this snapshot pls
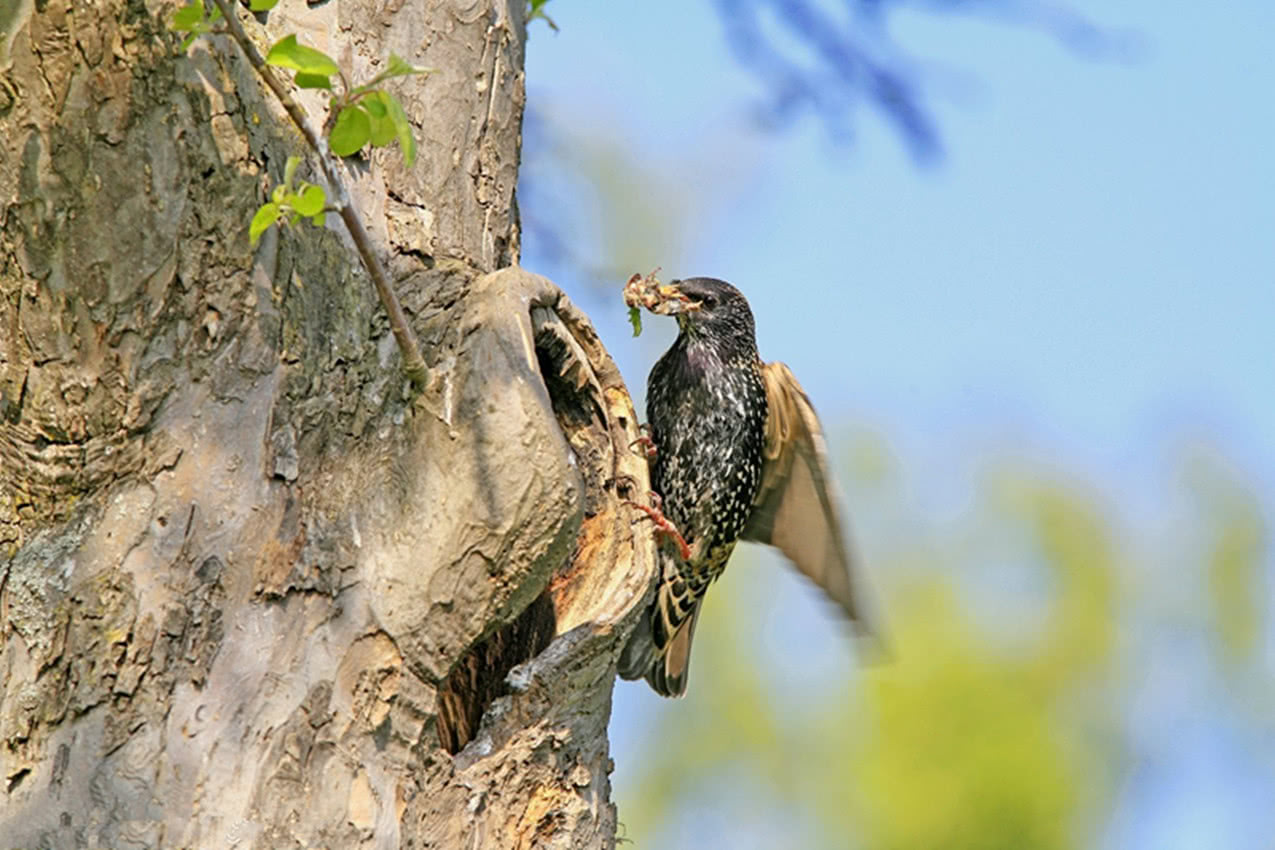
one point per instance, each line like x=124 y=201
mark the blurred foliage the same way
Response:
x=1028 y=629
x=974 y=733
x=1235 y=539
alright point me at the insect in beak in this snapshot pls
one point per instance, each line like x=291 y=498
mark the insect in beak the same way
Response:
x=675 y=301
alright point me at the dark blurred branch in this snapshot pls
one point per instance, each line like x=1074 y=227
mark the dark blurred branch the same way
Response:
x=829 y=58
x=850 y=57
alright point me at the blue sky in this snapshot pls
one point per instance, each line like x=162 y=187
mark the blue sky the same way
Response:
x=1088 y=273
x=1093 y=259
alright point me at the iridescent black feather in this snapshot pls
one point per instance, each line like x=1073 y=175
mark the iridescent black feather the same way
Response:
x=706 y=407
x=740 y=456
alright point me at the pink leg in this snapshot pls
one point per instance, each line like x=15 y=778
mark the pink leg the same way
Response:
x=663 y=525
x=645 y=441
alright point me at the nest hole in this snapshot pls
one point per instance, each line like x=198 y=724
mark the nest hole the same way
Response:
x=479 y=677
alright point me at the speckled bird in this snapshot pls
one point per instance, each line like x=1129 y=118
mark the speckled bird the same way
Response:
x=739 y=454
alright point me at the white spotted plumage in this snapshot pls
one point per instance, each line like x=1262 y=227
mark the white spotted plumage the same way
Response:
x=706 y=408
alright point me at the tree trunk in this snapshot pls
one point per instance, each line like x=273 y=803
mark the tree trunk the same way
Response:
x=256 y=591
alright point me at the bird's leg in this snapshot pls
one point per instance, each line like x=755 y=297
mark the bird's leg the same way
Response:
x=648 y=449
x=663 y=525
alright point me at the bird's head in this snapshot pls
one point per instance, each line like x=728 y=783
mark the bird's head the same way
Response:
x=706 y=307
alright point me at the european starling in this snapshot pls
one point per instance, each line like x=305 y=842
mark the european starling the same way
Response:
x=739 y=454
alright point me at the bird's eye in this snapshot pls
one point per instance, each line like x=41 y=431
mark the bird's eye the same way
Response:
x=708 y=301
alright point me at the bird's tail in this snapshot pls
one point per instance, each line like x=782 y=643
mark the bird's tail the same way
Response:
x=660 y=648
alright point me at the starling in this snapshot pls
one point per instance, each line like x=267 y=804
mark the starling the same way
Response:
x=739 y=454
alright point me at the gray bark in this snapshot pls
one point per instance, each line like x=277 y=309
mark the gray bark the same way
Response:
x=251 y=582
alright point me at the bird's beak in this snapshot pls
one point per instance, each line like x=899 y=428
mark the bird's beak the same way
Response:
x=675 y=302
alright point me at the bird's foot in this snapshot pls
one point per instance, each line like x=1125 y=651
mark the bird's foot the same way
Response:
x=646 y=443
x=663 y=525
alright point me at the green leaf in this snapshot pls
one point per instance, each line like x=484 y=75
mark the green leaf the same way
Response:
x=279 y=194
x=310 y=201
x=384 y=130
x=286 y=53
x=319 y=218
x=312 y=81
x=266 y=215
x=189 y=40
x=189 y=16
x=351 y=132
x=262 y=5
x=635 y=319
x=402 y=127
x=374 y=103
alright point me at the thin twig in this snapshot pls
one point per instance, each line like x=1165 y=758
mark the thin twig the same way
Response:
x=413 y=363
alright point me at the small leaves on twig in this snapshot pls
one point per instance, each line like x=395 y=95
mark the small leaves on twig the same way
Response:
x=364 y=114
x=398 y=67
x=385 y=122
x=195 y=20
x=306 y=201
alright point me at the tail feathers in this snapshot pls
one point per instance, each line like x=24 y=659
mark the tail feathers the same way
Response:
x=640 y=652
x=660 y=648
x=668 y=674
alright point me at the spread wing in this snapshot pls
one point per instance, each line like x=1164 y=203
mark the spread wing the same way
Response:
x=796 y=507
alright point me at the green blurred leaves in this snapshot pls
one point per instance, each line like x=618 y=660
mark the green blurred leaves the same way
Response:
x=960 y=748
x=1233 y=543
x=999 y=719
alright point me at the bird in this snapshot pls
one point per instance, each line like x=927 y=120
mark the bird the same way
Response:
x=738 y=453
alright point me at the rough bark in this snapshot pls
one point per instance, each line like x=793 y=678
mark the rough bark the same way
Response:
x=251 y=581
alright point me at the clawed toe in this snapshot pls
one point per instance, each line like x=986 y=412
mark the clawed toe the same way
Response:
x=663 y=526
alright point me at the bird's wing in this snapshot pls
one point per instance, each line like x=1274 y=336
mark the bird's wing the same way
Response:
x=796 y=508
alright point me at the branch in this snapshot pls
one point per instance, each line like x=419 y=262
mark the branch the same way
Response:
x=840 y=59
x=413 y=363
